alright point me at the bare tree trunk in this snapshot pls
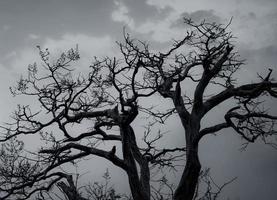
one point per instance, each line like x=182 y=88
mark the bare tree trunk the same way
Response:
x=191 y=125
x=139 y=185
x=188 y=183
x=137 y=191
x=189 y=179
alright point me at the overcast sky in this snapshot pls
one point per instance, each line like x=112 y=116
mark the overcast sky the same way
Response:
x=96 y=25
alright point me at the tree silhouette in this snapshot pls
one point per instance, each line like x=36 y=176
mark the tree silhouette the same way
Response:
x=75 y=114
x=210 y=65
x=108 y=99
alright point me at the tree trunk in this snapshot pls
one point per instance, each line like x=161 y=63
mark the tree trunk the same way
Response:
x=139 y=185
x=189 y=179
x=136 y=189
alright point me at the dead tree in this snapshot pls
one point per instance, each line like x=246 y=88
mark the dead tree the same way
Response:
x=73 y=115
x=106 y=102
x=205 y=60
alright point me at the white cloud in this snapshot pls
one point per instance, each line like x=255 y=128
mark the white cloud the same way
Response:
x=158 y=29
x=255 y=32
x=89 y=46
x=16 y=62
x=33 y=36
x=161 y=4
x=161 y=30
x=252 y=24
x=121 y=14
x=22 y=58
x=6 y=27
x=10 y=55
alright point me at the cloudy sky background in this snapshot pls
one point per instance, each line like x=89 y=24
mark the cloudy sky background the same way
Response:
x=95 y=26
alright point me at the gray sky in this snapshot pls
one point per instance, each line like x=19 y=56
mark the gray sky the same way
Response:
x=96 y=25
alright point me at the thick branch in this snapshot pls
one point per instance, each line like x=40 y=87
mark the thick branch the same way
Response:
x=94 y=151
x=212 y=129
x=207 y=75
x=248 y=91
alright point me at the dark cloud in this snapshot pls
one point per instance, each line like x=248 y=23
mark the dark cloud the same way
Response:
x=198 y=16
x=53 y=19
